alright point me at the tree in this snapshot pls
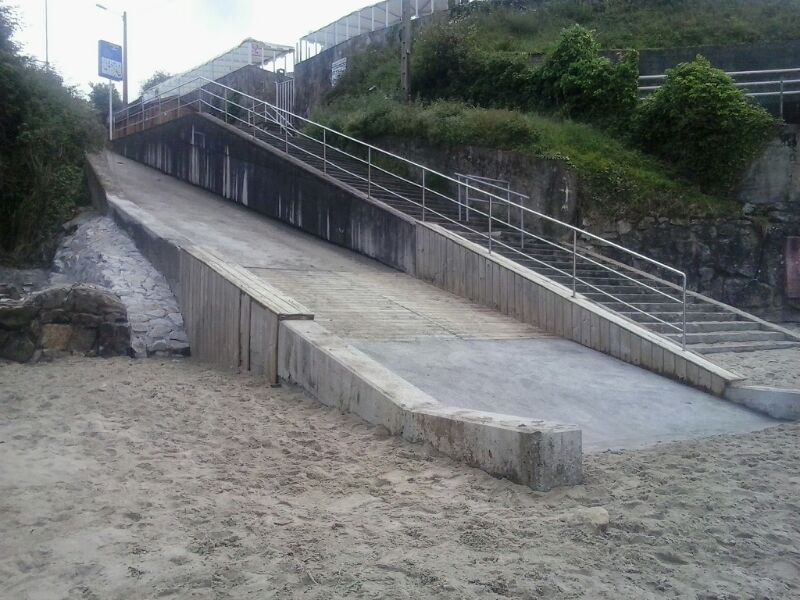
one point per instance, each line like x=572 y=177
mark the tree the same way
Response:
x=46 y=128
x=98 y=98
x=153 y=80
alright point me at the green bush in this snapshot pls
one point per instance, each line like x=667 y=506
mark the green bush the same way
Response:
x=448 y=65
x=580 y=83
x=45 y=130
x=702 y=123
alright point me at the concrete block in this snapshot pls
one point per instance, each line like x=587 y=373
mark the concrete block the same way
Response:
x=775 y=402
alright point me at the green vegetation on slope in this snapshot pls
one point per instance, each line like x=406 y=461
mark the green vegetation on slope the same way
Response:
x=45 y=130
x=618 y=182
x=534 y=26
x=679 y=153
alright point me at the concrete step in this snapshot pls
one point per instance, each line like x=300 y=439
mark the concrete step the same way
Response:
x=742 y=346
x=724 y=337
x=706 y=326
x=677 y=316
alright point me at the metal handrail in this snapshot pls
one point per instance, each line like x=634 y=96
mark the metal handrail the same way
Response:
x=780 y=83
x=284 y=119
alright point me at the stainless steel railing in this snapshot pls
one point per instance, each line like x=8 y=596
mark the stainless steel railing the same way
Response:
x=394 y=177
x=757 y=84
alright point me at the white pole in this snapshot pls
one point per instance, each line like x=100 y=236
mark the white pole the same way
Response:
x=110 y=111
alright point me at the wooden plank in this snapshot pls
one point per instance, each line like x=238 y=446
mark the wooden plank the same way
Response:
x=657 y=363
x=244 y=333
x=636 y=349
x=586 y=327
x=614 y=341
x=646 y=354
x=680 y=368
x=692 y=373
x=668 y=365
x=604 y=335
x=625 y=345
x=594 y=331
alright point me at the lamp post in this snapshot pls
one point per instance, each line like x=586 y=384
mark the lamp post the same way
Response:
x=46 y=37
x=124 y=15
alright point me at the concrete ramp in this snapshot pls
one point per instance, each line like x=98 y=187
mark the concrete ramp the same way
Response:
x=461 y=353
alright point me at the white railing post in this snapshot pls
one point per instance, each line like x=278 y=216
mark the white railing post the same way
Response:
x=490 y=223
x=423 y=194
x=324 y=152
x=369 y=172
x=574 y=261
x=684 y=311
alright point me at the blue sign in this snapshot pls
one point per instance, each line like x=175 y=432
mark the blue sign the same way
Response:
x=109 y=60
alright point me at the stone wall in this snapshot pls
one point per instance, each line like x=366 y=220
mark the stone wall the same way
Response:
x=62 y=319
x=740 y=261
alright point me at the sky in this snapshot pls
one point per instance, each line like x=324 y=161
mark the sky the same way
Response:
x=167 y=35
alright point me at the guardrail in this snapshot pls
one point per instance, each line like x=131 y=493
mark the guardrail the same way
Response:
x=260 y=117
x=370 y=18
x=757 y=84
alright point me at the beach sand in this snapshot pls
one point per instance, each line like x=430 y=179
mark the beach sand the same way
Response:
x=161 y=478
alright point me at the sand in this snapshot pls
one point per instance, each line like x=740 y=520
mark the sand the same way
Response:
x=163 y=479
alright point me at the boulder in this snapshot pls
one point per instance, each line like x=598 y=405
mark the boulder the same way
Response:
x=78 y=319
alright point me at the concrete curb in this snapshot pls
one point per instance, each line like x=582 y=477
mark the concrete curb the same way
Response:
x=536 y=453
x=775 y=402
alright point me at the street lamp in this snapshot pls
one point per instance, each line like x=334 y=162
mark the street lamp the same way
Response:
x=124 y=15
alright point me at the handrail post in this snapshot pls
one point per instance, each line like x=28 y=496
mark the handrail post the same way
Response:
x=684 y=311
x=574 y=261
x=324 y=151
x=423 y=194
x=781 y=97
x=286 y=138
x=459 y=196
x=369 y=173
x=490 y=223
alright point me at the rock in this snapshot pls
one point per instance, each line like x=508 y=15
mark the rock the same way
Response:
x=594 y=519
x=16 y=316
x=16 y=346
x=55 y=336
x=67 y=318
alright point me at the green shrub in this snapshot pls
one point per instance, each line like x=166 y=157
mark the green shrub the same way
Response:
x=580 y=83
x=448 y=65
x=45 y=130
x=702 y=123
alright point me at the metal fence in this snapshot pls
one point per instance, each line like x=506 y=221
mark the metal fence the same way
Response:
x=370 y=18
x=769 y=83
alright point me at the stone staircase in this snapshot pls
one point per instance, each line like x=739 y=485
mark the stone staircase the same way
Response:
x=653 y=303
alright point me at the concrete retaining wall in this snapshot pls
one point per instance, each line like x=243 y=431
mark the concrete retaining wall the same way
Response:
x=470 y=271
x=222 y=159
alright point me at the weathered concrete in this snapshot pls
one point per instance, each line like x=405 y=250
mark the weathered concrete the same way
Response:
x=616 y=405
x=775 y=402
x=536 y=453
x=204 y=151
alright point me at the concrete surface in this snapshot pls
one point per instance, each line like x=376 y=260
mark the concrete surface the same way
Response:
x=462 y=353
x=530 y=451
x=615 y=404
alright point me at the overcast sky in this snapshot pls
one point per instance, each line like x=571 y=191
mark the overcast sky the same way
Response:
x=171 y=35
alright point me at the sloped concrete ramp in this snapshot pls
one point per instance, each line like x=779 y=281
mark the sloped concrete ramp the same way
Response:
x=461 y=353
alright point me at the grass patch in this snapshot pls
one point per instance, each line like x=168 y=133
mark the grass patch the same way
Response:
x=638 y=24
x=617 y=182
